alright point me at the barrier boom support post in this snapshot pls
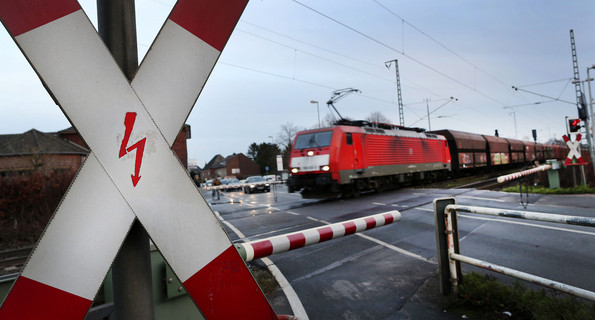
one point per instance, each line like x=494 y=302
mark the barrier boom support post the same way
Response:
x=447 y=243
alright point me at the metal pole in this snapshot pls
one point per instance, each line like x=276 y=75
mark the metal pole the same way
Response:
x=428 y=110
x=317 y=111
x=131 y=271
x=590 y=123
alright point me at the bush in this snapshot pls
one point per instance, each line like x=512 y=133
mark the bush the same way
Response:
x=483 y=297
x=26 y=205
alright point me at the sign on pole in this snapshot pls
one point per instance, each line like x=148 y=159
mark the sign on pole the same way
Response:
x=573 y=150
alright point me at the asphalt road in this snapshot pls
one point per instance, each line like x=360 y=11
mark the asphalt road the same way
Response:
x=391 y=272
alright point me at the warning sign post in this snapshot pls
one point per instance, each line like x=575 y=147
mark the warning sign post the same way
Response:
x=131 y=173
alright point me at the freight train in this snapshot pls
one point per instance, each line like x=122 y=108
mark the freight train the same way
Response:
x=354 y=156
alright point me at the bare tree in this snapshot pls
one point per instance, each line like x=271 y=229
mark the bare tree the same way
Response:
x=377 y=116
x=287 y=133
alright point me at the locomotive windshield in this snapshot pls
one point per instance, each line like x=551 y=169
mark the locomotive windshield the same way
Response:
x=313 y=140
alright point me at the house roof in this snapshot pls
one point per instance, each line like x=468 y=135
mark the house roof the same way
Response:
x=217 y=162
x=37 y=142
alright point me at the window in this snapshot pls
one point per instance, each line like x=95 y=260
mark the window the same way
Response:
x=348 y=138
x=313 y=140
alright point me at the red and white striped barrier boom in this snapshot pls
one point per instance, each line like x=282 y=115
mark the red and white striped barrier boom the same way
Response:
x=239 y=185
x=517 y=175
x=265 y=247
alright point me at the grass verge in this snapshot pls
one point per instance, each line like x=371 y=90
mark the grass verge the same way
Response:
x=484 y=297
x=546 y=190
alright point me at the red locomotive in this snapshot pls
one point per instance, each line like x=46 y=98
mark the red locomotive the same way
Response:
x=357 y=155
x=353 y=156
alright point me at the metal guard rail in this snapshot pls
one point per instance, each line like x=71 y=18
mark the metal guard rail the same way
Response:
x=447 y=240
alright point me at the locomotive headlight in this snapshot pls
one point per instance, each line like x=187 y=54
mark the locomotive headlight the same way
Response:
x=325 y=168
x=310 y=153
x=295 y=170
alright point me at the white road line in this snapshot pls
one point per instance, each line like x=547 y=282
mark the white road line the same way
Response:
x=292 y=297
x=480 y=198
x=395 y=248
x=379 y=203
x=380 y=242
x=472 y=231
x=294 y=300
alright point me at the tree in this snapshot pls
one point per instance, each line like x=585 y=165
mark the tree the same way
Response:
x=285 y=140
x=378 y=117
x=265 y=155
x=252 y=151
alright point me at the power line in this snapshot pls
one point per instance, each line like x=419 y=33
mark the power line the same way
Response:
x=402 y=53
x=441 y=44
x=316 y=56
x=410 y=84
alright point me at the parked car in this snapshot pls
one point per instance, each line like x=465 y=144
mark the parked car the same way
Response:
x=256 y=184
x=231 y=185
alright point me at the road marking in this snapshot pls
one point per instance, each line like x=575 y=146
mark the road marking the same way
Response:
x=379 y=203
x=294 y=301
x=472 y=231
x=395 y=248
x=479 y=198
x=380 y=242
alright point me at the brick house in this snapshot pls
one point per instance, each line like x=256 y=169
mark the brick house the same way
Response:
x=38 y=151
x=57 y=152
x=237 y=165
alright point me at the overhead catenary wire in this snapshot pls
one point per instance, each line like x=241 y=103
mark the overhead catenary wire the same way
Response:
x=402 y=53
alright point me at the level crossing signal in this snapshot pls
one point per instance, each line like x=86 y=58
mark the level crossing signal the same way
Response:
x=574 y=125
x=122 y=181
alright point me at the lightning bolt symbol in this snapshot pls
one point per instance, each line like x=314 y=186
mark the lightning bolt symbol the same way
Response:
x=139 y=146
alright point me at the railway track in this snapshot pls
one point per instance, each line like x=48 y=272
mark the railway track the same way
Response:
x=14 y=257
x=480 y=185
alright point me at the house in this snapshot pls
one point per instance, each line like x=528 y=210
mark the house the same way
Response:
x=236 y=165
x=37 y=151
x=241 y=167
x=57 y=152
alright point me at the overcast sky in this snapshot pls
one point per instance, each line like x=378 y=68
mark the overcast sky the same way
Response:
x=284 y=54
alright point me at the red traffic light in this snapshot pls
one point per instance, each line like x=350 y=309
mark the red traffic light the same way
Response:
x=574 y=125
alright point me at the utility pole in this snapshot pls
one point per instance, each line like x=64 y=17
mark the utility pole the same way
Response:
x=131 y=270
x=590 y=116
x=428 y=110
x=399 y=96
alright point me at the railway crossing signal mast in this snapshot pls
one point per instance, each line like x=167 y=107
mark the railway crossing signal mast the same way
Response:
x=338 y=95
x=581 y=104
x=399 y=96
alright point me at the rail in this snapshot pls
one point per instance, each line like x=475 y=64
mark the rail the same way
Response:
x=449 y=256
x=265 y=247
x=14 y=257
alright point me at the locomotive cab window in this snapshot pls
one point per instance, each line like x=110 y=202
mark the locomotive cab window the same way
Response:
x=348 y=139
x=313 y=140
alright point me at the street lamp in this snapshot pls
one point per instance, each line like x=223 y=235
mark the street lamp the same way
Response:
x=317 y=110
